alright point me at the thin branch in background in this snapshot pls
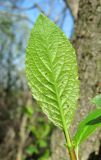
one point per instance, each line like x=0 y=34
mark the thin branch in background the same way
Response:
x=18 y=16
x=63 y=17
x=23 y=9
x=23 y=137
x=68 y=6
x=51 y=8
x=15 y=7
x=74 y=7
x=37 y=6
x=57 y=18
x=66 y=2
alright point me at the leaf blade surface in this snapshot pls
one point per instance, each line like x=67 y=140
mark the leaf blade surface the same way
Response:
x=52 y=73
x=87 y=126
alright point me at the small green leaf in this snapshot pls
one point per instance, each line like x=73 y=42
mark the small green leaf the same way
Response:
x=97 y=100
x=31 y=149
x=87 y=127
x=42 y=143
x=32 y=129
x=52 y=72
x=29 y=110
x=45 y=156
x=47 y=129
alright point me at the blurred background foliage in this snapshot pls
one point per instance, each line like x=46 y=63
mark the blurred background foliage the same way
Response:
x=24 y=131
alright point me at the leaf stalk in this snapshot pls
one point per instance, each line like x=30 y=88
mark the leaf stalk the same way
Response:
x=70 y=146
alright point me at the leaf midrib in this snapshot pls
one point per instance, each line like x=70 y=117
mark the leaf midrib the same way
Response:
x=57 y=95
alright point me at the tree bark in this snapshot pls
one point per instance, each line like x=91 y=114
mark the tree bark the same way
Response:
x=87 y=41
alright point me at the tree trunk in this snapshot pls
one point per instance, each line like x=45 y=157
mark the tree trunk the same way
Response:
x=87 y=41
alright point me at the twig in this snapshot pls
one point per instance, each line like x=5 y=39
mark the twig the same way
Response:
x=23 y=137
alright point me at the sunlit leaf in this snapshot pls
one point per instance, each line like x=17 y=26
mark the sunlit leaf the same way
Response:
x=51 y=69
x=45 y=156
x=87 y=127
x=31 y=149
x=29 y=110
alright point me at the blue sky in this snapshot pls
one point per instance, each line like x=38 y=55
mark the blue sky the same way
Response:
x=57 y=8
x=58 y=5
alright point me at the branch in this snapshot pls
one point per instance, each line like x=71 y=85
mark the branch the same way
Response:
x=64 y=15
x=23 y=137
x=58 y=17
x=15 y=7
x=17 y=16
x=74 y=6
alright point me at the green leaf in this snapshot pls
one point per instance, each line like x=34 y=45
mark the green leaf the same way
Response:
x=52 y=73
x=45 y=156
x=29 y=110
x=87 y=127
x=97 y=100
x=31 y=149
x=42 y=143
